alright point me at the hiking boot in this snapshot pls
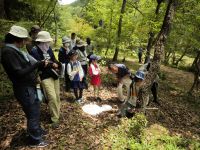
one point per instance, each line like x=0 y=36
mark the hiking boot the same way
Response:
x=40 y=144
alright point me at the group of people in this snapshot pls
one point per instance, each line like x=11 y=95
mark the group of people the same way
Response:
x=39 y=66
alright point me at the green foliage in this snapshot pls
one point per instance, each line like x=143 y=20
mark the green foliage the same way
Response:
x=125 y=134
x=134 y=134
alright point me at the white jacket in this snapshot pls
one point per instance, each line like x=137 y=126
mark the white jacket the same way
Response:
x=72 y=71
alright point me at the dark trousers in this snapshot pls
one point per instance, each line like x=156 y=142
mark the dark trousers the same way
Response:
x=140 y=57
x=27 y=97
x=85 y=69
x=154 y=90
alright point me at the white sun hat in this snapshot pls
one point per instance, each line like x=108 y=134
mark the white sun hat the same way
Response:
x=66 y=40
x=43 y=36
x=18 y=31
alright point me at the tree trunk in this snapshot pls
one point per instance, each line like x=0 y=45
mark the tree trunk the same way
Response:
x=158 y=53
x=167 y=56
x=2 y=12
x=56 y=28
x=48 y=15
x=152 y=34
x=181 y=57
x=119 y=31
x=149 y=46
x=110 y=30
x=196 y=73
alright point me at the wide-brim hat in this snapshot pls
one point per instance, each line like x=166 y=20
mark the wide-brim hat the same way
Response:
x=18 y=31
x=72 y=53
x=43 y=36
x=66 y=40
x=95 y=57
x=80 y=43
x=140 y=74
x=35 y=29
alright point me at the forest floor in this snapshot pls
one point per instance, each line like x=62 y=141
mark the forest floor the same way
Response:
x=178 y=113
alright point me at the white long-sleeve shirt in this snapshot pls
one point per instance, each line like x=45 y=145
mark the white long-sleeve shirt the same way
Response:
x=95 y=71
x=72 y=70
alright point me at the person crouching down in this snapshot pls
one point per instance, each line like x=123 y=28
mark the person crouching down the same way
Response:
x=133 y=97
x=94 y=71
x=76 y=75
x=124 y=78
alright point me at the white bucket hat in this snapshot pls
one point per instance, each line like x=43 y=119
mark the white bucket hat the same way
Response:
x=66 y=40
x=18 y=31
x=43 y=36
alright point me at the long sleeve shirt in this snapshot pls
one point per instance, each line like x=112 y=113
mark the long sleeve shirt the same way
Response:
x=18 y=67
x=74 y=69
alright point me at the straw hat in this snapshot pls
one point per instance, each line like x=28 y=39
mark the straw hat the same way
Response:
x=66 y=40
x=43 y=36
x=18 y=31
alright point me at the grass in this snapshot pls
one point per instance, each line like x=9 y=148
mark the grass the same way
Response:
x=133 y=134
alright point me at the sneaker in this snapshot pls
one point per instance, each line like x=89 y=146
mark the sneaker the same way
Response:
x=99 y=100
x=80 y=101
x=43 y=132
x=39 y=145
x=55 y=125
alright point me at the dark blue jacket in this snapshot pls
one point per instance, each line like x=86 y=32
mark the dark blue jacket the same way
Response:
x=62 y=56
x=38 y=55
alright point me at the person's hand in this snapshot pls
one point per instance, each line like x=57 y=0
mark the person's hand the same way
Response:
x=54 y=65
x=81 y=79
x=44 y=63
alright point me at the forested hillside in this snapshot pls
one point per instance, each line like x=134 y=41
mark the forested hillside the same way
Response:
x=165 y=33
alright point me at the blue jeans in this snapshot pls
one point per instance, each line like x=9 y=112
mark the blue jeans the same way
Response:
x=27 y=97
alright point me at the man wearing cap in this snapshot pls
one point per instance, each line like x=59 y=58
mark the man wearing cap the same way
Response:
x=63 y=57
x=33 y=34
x=49 y=76
x=22 y=73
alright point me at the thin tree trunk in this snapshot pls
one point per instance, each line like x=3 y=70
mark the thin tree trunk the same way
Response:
x=119 y=31
x=158 y=53
x=180 y=58
x=45 y=19
x=152 y=34
x=2 y=12
x=167 y=56
x=149 y=46
x=56 y=28
x=110 y=30
x=196 y=73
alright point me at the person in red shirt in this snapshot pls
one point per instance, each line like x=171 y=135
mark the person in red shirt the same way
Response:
x=94 y=72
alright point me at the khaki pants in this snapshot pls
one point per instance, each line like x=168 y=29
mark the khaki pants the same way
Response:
x=127 y=82
x=51 y=89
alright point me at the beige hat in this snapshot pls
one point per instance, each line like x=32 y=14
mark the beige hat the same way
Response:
x=18 y=31
x=43 y=36
x=80 y=43
x=66 y=40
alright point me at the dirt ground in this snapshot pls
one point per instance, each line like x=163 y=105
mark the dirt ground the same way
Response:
x=178 y=112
